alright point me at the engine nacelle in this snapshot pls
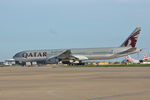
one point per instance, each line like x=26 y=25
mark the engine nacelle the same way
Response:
x=80 y=57
x=52 y=60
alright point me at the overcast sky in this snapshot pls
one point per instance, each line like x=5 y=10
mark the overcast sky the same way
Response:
x=56 y=24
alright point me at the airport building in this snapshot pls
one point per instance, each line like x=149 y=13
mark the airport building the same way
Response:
x=9 y=62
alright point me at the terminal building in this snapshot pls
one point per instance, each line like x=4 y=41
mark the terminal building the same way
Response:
x=9 y=62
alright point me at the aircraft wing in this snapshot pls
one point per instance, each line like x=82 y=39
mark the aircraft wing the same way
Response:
x=65 y=55
x=68 y=55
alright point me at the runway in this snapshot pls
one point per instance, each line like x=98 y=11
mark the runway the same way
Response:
x=85 y=83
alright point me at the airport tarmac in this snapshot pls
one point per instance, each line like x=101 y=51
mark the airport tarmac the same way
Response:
x=85 y=83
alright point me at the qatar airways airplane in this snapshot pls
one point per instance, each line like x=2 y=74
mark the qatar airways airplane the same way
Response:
x=72 y=56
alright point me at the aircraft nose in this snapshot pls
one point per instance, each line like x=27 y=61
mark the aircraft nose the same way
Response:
x=17 y=55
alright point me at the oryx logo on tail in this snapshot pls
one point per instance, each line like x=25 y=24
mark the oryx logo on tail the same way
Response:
x=132 y=39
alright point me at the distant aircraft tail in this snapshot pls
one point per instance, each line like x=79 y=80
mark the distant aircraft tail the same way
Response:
x=128 y=57
x=131 y=60
x=144 y=55
x=132 y=39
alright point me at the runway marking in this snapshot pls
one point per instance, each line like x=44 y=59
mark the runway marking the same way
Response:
x=121 y=95
x=51 y=92
x=1 y=92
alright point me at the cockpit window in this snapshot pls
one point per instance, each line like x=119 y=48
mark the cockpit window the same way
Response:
x=18 y=54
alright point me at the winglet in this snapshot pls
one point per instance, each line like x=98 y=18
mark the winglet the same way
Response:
x=132 y=39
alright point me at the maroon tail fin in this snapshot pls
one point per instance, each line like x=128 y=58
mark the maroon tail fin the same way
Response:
x=132 y=39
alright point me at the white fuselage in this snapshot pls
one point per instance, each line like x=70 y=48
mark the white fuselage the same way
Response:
x=87 y=53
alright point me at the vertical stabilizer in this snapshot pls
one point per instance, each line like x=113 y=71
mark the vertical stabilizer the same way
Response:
x=144 y=55
x=129 y=59
x=132 y=39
